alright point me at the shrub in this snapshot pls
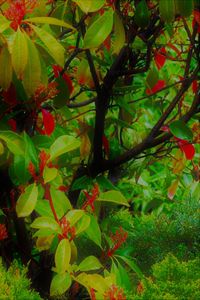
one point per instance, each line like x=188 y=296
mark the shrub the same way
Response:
x=14 y=284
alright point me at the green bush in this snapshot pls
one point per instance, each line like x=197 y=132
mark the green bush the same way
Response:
x=152 y=237
x=172 y=280
x=14 y=284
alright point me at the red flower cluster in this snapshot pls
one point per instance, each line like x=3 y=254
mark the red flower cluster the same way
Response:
x=91 y=198
x=3 y=232
x=118 y=239
x=68 y=232
x=17 y=10
x=114 y=293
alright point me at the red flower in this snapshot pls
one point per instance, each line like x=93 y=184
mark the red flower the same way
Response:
x=44 y=157
x=187 y=148
x=48 y=121
x=68 y=232
x=91 y=198
x=57 y=70
x=118 y=239
x=114 y=293
x=17 y=10
x=3 y=232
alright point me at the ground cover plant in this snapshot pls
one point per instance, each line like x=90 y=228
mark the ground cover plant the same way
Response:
x=99 y=134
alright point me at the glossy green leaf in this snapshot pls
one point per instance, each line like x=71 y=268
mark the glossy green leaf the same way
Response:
x=43 y=232
x=13 y=141
x=55 y=49
x=50 y=21
x=73 y=216
x=82 y=224
x=60 y=200
x=180 y=130
x=27 y=201
x=132 y=265
x=93 y=232
x=19 y=53
x=49 y=174
x=90 y=263
x=119 y=34
x=20 y=169
x=94 y=281
x=46 y=223
x=152 y=78
x=89 y=5
x=5 y=69
x=63 y=144
x=60 y=284
x=113 y=196
x=99 y=30
x=62 y=256
x=32 y=72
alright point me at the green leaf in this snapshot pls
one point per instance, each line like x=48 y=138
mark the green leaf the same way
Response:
x=60 y=284
x=94 y=281
x=19 y=53
x=73 y=216
x=119 y=34
x=43 y=232
x=113 y=196
x=49 y=174
x=180 y=130
x=20 y=169
x=55 y=49
x=99 y=30
x=5 y=69
x=27 y=201
x=152 y=78
x=32 y=72
x=50 y=21
x=82 y=224
x=81 y=183
x=93 y=232
x=60 y=200
x=90 y=263
x=132 y=265
x=62 y=256
x=4 y=23
x=46 y=223
x=14 y=142
x=62 y=97
x=89 y=5
x=63 y=144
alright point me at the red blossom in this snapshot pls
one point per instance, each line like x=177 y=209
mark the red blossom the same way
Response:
x=118 y=239
x=68 y=232
x=157 y=87
x=160 y=58
x=114 y=293
x=92 y=294
x=17 y=11
x=32 y=171
x=91 y=198
x=48 y=121
x=57 y=71
x=44 y=157
x=3 y=232
x=194 y=86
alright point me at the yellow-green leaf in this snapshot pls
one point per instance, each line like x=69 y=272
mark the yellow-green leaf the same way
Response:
x=90 y=263
x=19 y=53
x=113 y=196
x=5 y=68
x=60 y=284
x=27 y=201
x=94 y=281
x=55 y=49
x=13 y=141
x=62 y=256
x=32 y=72
x=50 y=21
x=4 y=23
x=82 y=224
x=63 y=144
x=99 y=30
x=74 y=215
x=46 y=223
x=89 y=5
x=49 y=174
x=119 y=34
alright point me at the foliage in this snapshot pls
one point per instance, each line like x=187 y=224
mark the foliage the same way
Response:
x=86 y=89
x=171 y=279
x=14 y=283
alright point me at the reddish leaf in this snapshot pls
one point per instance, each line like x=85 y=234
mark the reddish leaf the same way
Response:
x=106 y=145
x=157 y=87
x=48 y=121
x=160 y=58
x=196 y=20
x=57 y=70
x=10 y=96
x=107 y=43
x=172 y=189
x=187 y=148
x=194 y=86
x=13 y=124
